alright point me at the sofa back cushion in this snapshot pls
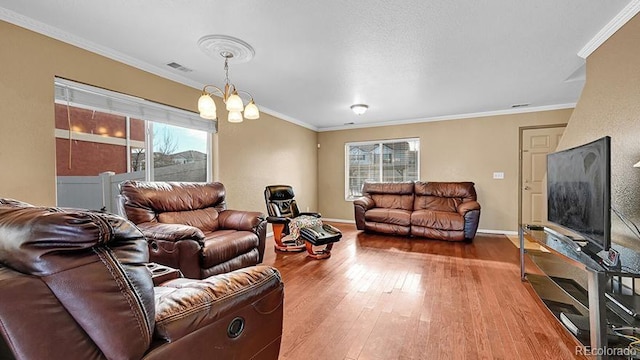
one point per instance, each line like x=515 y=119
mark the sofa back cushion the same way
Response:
x=390 y=195
x=442 y=196
x=204 y=219
x=195 y=204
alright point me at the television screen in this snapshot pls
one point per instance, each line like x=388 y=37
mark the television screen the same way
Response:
x=579 y=191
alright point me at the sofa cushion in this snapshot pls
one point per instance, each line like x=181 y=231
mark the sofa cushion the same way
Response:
x=403 y=202
x=203 y=219
x=396 y=188
x=389 y=216
x=144 y=200
x=390 y=195
x=442 y=196
x=383 y=228
x=224 y=245
x=443 y=220
x=437 y=203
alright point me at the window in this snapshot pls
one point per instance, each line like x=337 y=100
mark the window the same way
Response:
x=388 y=161
x=98 y=130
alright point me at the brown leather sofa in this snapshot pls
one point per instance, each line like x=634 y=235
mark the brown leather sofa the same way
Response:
x=74 y=285
x=435 y=210
x=189 y=227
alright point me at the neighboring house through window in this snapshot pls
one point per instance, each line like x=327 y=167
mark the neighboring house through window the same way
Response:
x=387 y=160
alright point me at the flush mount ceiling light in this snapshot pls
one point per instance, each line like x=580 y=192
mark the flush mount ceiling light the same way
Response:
x=359 y=109
x=231 y=49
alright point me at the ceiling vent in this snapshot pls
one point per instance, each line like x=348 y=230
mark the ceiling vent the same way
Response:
x=177 y=66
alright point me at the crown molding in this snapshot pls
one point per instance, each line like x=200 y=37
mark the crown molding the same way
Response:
x=453 y=117
x=608 y=30
x=288 y=118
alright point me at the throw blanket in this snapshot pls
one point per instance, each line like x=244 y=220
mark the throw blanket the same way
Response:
x=300 y=222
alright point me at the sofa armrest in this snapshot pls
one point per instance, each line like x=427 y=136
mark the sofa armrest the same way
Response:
x=470 y=210
x=170 y=232
x=365 y=202
x=246 y=221
x=240 y=220
x=184 y=306
x=360 y=206
x=161 y=273
x=467 y=206
x=278 y=220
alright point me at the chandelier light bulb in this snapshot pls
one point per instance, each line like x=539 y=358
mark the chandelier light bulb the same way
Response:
x=251 y=112
x=234 y=103
x=209 y=115
x=206 y=104
x=235 y=117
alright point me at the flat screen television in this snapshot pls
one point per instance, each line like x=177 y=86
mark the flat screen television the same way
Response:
x=579 y=191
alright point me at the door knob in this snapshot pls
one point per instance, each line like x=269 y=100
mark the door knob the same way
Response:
x=527 y=188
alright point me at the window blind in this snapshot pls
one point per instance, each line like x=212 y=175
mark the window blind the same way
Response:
x=91 y=97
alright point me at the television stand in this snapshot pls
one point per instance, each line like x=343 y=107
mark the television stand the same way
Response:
x=572 y=278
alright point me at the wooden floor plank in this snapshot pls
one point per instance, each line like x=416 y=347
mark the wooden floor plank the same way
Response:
x=386 y=297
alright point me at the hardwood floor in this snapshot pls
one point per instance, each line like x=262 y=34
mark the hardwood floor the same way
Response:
x=382 y=297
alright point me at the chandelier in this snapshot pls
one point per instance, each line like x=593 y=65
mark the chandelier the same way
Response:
x=230 y=94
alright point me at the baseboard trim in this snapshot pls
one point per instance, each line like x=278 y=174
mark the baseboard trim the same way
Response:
x=500 y=232
x=340 y=220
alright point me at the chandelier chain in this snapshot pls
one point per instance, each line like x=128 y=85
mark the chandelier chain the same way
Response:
x=226 y=70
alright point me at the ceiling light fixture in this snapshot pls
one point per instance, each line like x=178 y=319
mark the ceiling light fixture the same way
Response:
x=359 y=109
x=226 y=46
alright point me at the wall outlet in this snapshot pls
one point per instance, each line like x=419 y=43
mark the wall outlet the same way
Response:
x=498 y=175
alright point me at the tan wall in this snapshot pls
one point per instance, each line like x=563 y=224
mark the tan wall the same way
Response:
x=31 y=61
x=454 y=150
x=269 y=151
x=610 y=105
x=249 y=153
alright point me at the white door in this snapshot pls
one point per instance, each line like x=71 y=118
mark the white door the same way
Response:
x=536 y=144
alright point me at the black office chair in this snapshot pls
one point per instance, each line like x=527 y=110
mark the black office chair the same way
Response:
x=283 y=211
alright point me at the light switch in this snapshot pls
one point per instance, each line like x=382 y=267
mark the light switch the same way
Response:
x=498 y=175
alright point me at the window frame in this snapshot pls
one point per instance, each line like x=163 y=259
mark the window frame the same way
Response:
x=92 y=99
x=380 y=162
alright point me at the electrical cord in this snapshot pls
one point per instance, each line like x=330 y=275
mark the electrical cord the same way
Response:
x=634 y=230
x=634 y=340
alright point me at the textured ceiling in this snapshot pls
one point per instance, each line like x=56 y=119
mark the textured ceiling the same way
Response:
x=408 y=60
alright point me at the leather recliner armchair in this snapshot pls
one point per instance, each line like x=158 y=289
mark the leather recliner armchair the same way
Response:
x=74 y=285
x=306 y=228
x=189 y=227
x=282 y=208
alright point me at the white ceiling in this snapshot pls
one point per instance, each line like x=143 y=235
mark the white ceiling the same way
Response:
x=411 y=60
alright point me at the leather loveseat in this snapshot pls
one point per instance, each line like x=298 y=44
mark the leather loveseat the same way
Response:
x=189 y=227
x=74 y=285
x=435 y=210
